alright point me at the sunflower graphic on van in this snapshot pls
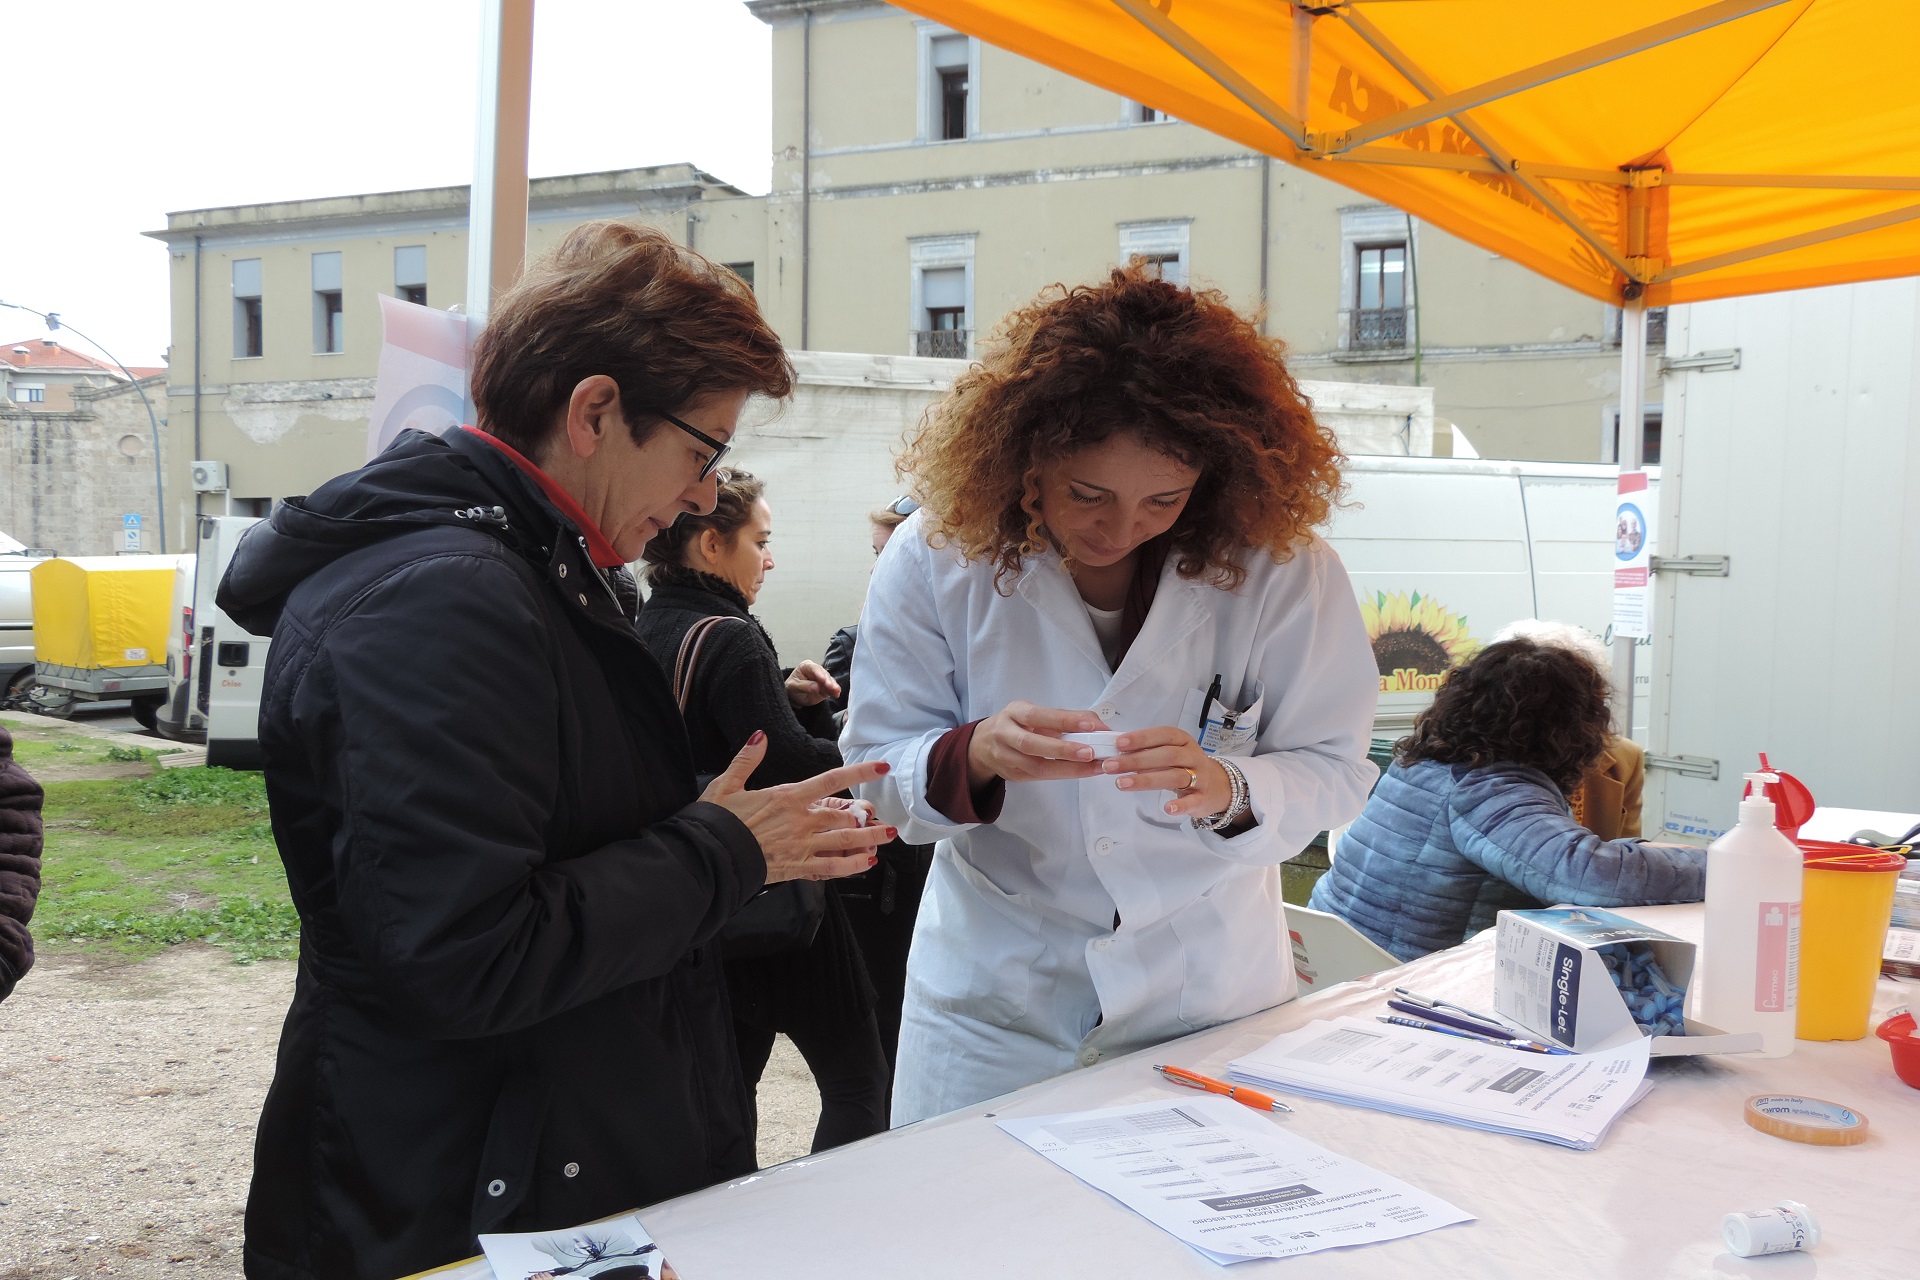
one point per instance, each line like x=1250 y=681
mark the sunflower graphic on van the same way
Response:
x=1415 y=640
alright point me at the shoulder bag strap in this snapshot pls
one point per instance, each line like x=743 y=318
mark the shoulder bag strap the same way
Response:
x=689 y=656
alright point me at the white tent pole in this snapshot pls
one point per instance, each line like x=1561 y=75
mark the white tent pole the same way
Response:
x=1630 y=455
x=497 y=200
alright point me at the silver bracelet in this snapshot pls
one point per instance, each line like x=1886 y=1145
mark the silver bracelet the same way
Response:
x=1241 y=800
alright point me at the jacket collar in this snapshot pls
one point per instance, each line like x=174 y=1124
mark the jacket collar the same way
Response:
x=676 y=586
x=599 y=550
x=556 y=540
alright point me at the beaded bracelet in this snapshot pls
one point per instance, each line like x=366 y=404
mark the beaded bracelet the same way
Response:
x=1241 y=800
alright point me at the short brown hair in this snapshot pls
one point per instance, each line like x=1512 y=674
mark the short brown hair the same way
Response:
x=1133 y=353
x=664 y=323
x=737 y=493
x=1517 y=702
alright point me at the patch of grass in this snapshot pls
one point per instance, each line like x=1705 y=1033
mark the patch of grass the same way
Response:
x=37 y=748
x=133 y=865
x=252 y=930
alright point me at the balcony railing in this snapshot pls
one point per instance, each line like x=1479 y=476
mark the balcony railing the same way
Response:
x=947 y=344
x=1381 y=328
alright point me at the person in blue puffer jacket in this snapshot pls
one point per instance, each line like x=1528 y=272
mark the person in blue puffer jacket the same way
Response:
x=1472 y=818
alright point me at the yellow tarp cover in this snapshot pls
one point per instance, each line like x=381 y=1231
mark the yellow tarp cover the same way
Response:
x=1674 y=149
x=102 y=611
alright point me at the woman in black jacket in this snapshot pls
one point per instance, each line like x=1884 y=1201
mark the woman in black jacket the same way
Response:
x=505 y=1017
x=819 y=995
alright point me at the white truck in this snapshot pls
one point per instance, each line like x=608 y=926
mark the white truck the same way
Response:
x=1786 y=617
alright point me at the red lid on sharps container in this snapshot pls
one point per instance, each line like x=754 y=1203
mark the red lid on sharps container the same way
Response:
x=1792 y=801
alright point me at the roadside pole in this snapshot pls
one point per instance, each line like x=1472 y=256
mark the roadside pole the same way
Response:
x=1630 y=456
x=497 y=200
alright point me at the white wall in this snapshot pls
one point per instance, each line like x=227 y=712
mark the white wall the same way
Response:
x=828 y=458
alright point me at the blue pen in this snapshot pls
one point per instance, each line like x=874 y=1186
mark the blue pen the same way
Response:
x=1431 y=1014
x=1427 y=1002
x=1528 y=1046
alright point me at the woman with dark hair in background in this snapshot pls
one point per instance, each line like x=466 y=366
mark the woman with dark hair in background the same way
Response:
x=506 y=1017
x=1472 y=818
x=1116 y=535
x=712 y=566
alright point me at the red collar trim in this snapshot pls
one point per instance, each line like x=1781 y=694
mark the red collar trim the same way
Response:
x=599 y=550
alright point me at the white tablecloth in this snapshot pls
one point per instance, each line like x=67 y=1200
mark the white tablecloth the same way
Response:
x=955 y=1197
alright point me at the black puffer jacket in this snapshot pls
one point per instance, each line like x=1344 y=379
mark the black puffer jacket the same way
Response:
x=504 y=1017
x=20 y=839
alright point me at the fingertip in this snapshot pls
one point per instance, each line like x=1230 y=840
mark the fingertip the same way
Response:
x=759 y=736
x=882 y=769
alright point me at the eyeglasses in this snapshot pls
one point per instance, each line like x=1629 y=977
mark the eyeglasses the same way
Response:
x=903 y=506
x=719 y=450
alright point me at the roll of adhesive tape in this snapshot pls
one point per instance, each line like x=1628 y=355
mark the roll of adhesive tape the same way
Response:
x=1810 y=1120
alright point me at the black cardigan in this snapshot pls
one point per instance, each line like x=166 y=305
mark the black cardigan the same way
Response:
x=738 y=686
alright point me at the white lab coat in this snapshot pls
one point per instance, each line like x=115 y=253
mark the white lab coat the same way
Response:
x=1017 y=972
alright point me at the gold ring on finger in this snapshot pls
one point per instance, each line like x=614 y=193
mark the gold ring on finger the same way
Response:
x=1193 y=778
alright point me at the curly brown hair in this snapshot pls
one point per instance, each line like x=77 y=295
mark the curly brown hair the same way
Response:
x=1134 y=353
x=664 y=323
x=733 y=505
x=1517 y=702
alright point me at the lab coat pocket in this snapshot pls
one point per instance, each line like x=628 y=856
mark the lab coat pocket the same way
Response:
x=1233 y=942
x=1235 y=732
x=975 y=947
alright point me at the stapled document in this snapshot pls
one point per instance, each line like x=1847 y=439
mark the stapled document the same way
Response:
x=1570 y=1100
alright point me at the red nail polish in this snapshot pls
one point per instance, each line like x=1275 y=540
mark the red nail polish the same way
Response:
x=759 y=736
x=885 y=768
x=873 y=860
x=893 y=833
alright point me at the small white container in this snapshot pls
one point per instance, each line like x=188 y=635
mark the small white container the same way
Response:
x=1786 y=1228
x=1101 y=741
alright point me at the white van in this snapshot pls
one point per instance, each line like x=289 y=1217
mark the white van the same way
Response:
x=16 y=621
x=1444 y=552
x=216 y=665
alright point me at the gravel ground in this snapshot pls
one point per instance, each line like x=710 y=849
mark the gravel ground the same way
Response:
x=128 y=1095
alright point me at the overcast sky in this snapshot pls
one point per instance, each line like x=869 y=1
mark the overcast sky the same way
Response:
x=118 y=112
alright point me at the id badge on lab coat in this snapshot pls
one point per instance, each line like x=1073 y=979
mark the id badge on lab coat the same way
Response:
x=1228 y=732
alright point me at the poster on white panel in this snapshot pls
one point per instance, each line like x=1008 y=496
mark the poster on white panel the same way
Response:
x=1633 y=556
x=422 y=383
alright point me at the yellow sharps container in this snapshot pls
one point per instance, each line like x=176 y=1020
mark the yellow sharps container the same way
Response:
x=1846 y=902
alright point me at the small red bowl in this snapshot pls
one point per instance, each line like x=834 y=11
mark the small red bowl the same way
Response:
x=1906 y=1048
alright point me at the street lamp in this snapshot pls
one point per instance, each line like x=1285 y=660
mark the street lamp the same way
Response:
x=159 y=484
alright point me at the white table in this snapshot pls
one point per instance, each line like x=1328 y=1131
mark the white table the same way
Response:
x=955 y=1197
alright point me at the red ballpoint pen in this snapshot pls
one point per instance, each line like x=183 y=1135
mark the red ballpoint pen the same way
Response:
x=1239 y=1093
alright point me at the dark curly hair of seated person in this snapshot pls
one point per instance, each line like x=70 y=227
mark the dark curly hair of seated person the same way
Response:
x=1517 y=702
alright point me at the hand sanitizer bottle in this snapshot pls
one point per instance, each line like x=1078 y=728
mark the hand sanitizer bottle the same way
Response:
x=1749 y=970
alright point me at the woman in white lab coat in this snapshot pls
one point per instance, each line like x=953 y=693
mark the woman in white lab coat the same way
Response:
x=1116 y=535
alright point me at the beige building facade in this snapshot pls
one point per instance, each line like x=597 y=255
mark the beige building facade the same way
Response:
x=924 y=185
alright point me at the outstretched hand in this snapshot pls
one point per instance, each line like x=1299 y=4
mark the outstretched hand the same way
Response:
x=806 y=830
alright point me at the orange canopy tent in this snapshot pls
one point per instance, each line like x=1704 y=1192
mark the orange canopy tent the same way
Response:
x=1642 y=152
x=1656 y=151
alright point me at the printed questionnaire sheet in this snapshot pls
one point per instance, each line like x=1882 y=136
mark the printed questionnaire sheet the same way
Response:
x=1229 y=1182
x=1566 y=1099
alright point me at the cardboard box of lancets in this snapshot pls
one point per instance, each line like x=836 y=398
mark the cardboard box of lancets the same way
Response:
x=1550 y=978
